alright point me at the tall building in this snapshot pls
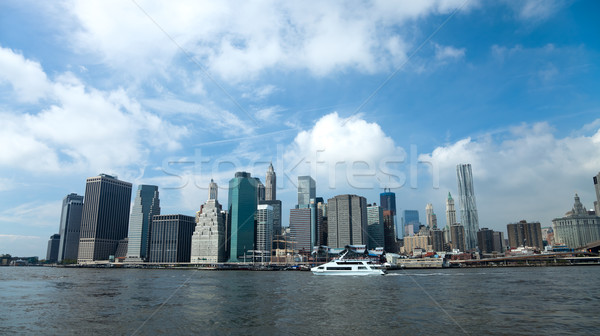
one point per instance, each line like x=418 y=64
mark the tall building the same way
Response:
x=323 y=234
x=52 y=251
x=209 y=237
x=525 y=234
x=499 y=244
x=145 y=206
x=485 y=240
x=429 y=215
x=597 y=188
x=260 y=190
x=276 y=204
x=346 y=221
x=105 y=217
x=437 y=239
x=171 y=238
x=375 y=227
x=468 y=206
x=242 y=205
x=450 y=211
x=70 y=225
x=389 y=233
x=577 y=228
x=410 y=218
x=306 y=190
x=264 y=231
x=305 y=225
x=457 y=232
x=388 y=200
x=270 y=184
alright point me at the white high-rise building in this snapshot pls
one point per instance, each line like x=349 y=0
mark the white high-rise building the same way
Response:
x=450 y=218
x=431 y=217
x=270 y=184
x=264 y=232
x=145 y=206
x=468 y=206
x=208 y=239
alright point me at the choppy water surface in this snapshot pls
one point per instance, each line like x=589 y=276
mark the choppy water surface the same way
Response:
x=502 y=301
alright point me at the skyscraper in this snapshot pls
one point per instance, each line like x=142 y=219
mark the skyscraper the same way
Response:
x=145 y=206
x=300 y=229
x=264 y=231
x=410 y=219
x=375 y=227
x=306 y=190
x=270 y=184
x=450 y=211
x=242 y=205
x=171 y=238
x=209 y=237
x=468 y=207
x=105 y=217
x=457 y=232
x=260 y=190
x=431 y=217
x=346 y=221
x=52 y=252
x=388 y=204
x=70 y=225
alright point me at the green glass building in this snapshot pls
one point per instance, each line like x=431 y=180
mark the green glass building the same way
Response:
x=242 y=206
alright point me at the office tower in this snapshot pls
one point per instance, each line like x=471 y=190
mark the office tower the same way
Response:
x=105 y=217
x=242 y=205
x=323 y=234
x=485 y=240
x=389 y=233
x=145 y=206
x=171 y=238
x=53 y=244
x=276 y=204
x=271 y=184
x=121 y=251
x=209 y=237
x=468 y=207
x=450 y=211
x=498 y=244
x=437 y=239
x=457 y=233
x=346 y=221
x=306 y=190
x=597 y=188
x=264 y=232
x=305 y=224
x=410 y=218
x=70 y=224
x=577 y=228
x=375 y=227
x=260 y=190
x=429 y=215
x=388 y=200
x=525 y=234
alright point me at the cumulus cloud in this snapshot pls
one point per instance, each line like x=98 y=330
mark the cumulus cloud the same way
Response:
x=448 y=52
x=26 y=77
x=536 y=10
x=83 y=130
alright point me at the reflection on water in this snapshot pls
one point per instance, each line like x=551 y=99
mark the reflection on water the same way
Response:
x=499 y=301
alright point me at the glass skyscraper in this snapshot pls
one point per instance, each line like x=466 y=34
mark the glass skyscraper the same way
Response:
x=306 y=190
x=410 y=217
x=242 y=204
x=146 y=205
x=70 y=225
x=468 y=207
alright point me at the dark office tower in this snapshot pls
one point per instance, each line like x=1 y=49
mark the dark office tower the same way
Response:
x=410 y=218
x=457 y=232
x=525 y=234
x=498 y=242
x=321 y=205
x=437 y=239
x=52 y=252
x=306 y=190
x=375 y=227
x=597 y=187
x=300 y=229
x=346 y=221
x=105 y=217
x=389 y=232
x=260 y=190
x=242 y=205
x=70 y=224
x=388 y=200
x=468 y=207
x=171 y=238
x=145 y=206
x=485 y=240
x=270 y=184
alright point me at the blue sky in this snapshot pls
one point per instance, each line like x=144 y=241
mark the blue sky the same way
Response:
x=360 y=95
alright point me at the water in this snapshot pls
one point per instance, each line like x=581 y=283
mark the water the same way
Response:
x=497 y=301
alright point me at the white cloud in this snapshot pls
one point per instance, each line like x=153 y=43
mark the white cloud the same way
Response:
x=33 y=214
x=448 y=52
x=26 y=77
x=84 y=130
x=536 y=10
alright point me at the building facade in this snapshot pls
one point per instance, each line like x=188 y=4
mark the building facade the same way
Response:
x=410 y=218
x=276 y=205
x=145 y=206
x=468 y=206
x=209 y=237
x=270 y=184
x=171 y=238
x=242 y=204
x=389 y=232
x=577 y=228
x=70 y=225
x=457 y=233
x=525 y=234
x=105 y=217
x=437 y=240
x=52 y=251
x=375 y=227
x=346 y=221
x=264 y=231
x=307 y=190
x=597 y=188
x=416 y=241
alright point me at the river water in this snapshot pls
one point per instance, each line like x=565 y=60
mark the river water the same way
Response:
x=497 y=301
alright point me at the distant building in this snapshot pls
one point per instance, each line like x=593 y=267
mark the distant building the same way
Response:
x=389 y=232
x=260 y=190
x=70 y=225
x=145 y=206
x=323 y=234
x=410 y=217
x=307 y=190
x=547 y=236
x=499 y=242
x=437 y=239
x=271 y=184
x=242 y=206
x=305 y=225
x=457 y=232
x=105 y=217
x=525 y=234
x=430 y=217
x=413 y=242
x=578 y=228
x=52 y=252
x=468 y=206
x=209 y=237
x=375 y=227
x=171 y=238
x=346 y=221
x=490 y=241
x=450 y=211
x=597 y=188
x=276 y=205
x=264 y=231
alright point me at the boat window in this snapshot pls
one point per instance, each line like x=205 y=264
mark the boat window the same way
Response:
x=321 y=267
x=338 y=268
x=362 y=268
x=350 y=263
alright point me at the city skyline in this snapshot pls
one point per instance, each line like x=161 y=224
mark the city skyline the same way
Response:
x=406 y=92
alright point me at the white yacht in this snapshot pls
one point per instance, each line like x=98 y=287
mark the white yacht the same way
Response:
x=343 y=266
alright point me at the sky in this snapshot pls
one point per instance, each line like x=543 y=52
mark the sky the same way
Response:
x=360 y=95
